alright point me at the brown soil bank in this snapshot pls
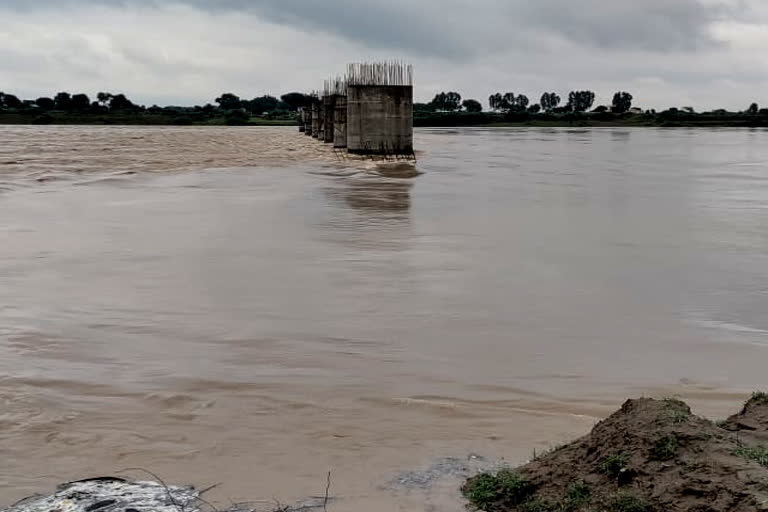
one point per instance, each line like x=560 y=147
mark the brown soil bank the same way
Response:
x=650 y=456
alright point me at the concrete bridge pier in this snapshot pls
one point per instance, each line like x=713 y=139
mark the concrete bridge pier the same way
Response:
x=315 y=118
x=340 y=122
x=380 y=119
x=329 y=109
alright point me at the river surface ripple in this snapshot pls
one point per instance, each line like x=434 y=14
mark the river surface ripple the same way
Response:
x=245 y=306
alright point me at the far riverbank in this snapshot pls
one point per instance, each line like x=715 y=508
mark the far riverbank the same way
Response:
x=669 y=118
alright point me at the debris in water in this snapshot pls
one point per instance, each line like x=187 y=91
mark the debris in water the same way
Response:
x=447 y=467
x=113 y=495
x=109 y=494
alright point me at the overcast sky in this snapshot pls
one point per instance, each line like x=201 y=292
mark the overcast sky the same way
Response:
x=700 y=53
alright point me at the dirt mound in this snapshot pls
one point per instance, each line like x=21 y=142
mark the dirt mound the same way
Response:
x=650 y=456
x=752 y=418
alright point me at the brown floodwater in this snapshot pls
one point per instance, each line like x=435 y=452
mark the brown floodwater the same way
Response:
x=244 y=306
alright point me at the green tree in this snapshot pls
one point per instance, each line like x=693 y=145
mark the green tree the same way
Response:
x=63 y=101
x=10 y=101
x=535 y=108
x=581 y=101
x=120 y=102
x=495 y=101
x=45 y=103
x=521 y=103
x=753 y=109
x=447 y=101
x=622 y=102
x=104 y=98
x=80 y=102
x=296 y=100
x=262 y=104
x=229 y=101
x=453 y=101
x=549 y=101
x=472 y=106
x=508 y=101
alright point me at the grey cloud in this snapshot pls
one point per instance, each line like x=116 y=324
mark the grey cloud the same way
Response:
x=461 y=28
x=445 y=27
x=395 y=24
x=662 y=50
x=392 y=24
x=649 y=25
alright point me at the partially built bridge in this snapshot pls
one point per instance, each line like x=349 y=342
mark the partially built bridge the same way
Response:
x=367 y=111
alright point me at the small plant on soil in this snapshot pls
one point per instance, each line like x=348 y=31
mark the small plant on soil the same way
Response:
x=538 y=506
x=626 y=502
x=579 y=494
x=676 y=410
x=758 y=454
x=505 y=487
x=665 y=448
x=760 y=397
x=482 y=491
x=614 y=463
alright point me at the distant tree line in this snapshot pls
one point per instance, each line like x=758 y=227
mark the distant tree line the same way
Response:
x=106 y=102
x=290 y=102
x=578 y=101
x=67 y=102
x=511 y=104
x=232 y=109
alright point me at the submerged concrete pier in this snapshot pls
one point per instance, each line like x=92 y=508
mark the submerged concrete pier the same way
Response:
x=368 y=112
x=308 y=121
x=321 y=119
x=315 y=118
x=329 y=109
x=380 y=120
x=380 y=109
x=340 y=122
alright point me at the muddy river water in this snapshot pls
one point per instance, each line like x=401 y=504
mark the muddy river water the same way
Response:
x=244 y=306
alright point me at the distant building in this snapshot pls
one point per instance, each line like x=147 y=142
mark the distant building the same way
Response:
x=636 y=110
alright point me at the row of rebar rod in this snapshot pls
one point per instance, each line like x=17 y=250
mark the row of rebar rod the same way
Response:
x=336 y=86
x=387 y=73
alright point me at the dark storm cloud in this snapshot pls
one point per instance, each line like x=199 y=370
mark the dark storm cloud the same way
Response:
x=460 y=28
x=650 y=25
x=442 y=26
